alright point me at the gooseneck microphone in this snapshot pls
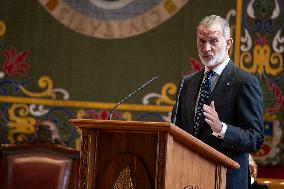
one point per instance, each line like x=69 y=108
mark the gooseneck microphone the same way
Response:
x=177 y=101
x=140 y=88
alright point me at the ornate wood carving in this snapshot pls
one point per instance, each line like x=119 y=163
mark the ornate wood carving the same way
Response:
x=218 y=177
x=161 y=161
x=84 y=160
x=125 y=179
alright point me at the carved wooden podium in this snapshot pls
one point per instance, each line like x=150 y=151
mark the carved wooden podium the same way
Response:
x=147 y=155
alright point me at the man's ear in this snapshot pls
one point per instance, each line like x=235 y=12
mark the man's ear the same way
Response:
x=229 y=43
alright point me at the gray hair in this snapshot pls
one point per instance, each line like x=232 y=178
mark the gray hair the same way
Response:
x=214 y=19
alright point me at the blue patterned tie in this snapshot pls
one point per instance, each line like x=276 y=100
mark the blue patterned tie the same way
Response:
x=205 y=90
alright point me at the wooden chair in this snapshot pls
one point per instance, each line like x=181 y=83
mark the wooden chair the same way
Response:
x=38 y=165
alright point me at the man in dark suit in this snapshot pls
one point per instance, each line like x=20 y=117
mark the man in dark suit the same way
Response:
x=222 y=108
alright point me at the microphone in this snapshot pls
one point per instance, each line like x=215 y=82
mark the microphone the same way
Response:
x=140 y=88
x=177 y=100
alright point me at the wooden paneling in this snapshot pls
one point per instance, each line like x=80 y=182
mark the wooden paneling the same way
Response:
x=189 y=169
x=117 y=150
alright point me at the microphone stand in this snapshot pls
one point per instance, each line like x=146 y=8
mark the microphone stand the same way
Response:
x=140 y=88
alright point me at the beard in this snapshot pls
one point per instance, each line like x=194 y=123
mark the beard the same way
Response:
x=215 y=60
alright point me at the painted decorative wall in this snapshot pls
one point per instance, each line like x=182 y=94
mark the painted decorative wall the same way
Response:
x=260 y=52
x=63 y=59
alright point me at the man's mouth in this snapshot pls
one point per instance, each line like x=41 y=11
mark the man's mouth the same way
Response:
x=207 y=56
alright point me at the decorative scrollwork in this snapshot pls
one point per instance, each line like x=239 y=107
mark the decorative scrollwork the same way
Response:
x=2 y=28
x=64 y=93
x=262 y=61
x=245 y=60
x=38 y=110
x=44 y=82
x=20 y=122
x=246 y=39
x=9 y=86
x=276 y=65
x=54 y=131
x=60 y=116
x=277 y=44
x=264 y=14
x=261 y=55
x=169 y=89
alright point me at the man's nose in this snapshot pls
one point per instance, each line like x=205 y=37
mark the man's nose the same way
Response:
x=206 y=47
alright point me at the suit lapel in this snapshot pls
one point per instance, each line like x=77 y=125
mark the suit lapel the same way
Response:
x=223 y=82
x=191 y=94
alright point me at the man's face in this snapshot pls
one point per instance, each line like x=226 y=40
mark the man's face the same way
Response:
x=212 y=45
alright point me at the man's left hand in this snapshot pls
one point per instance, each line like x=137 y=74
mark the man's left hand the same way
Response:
x=212 y=118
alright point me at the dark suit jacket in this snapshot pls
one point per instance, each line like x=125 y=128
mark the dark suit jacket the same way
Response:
x=238 y=101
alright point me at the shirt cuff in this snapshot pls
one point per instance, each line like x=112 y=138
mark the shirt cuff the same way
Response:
x=222 y=132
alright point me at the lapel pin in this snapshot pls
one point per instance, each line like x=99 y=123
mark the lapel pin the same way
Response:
x=228 y=83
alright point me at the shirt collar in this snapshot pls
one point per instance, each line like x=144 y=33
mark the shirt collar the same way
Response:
x=219 y=69
x=251 y=180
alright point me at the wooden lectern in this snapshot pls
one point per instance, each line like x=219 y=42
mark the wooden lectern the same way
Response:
x=147 y=155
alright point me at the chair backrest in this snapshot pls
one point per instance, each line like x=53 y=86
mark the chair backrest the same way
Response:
x=39 y=166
